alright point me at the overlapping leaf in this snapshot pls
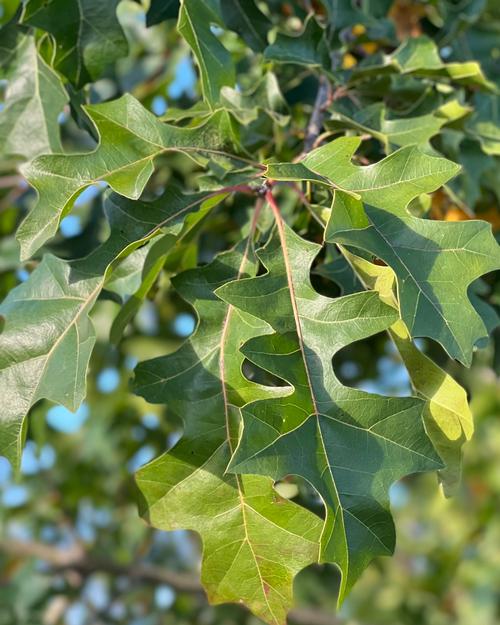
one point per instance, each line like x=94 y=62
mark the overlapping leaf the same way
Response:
x=34 y=99
x=447 y=417
x=160 y=10
x=434 y=262
x=47 y=336
x=419 y=56
x=394 y=131
x=348 y=444
x=308 y=48
x=248 y=21
x=130 y=139
x=484 y=124
x=87 y=33
x=196 y=18
x=254 y=542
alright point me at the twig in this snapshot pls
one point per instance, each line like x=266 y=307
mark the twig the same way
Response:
x=75 y=559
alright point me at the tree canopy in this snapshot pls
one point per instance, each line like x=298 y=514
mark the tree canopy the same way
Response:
x=249 y=253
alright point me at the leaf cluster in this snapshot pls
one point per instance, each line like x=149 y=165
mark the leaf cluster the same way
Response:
x=329 y=176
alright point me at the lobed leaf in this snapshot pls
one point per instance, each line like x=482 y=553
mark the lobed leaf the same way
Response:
x=196 y=18
x=254 y=542
x=130 y=139
x=34 y=97
x=434 y=262
x=447 y=417
x=350 y=445
x=87 y=33
x=47 y=336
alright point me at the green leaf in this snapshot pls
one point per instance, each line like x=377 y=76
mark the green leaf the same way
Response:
x=447 y=417
x=350 y=445
x=34 y=98
x=254 y=542
x=347 y=13
x=375 y=120
x=395 y=180
x=309 y=48
x=87 y=33
x=484 y=124
x=216 y=66
x=337 y=269
x=248 y=21
x=398 y=178
x=45 y=346
x=419 y=56
x=434 y=262
x=265 y=96
x=47 y=337
x=161 y=10
x=130 y=139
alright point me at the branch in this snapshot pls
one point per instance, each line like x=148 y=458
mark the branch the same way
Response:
x=316 y=120
x=75 y=559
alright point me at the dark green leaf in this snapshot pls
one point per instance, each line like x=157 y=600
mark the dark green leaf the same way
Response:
x=248 y=21
x=87 y=33
x=321 y=430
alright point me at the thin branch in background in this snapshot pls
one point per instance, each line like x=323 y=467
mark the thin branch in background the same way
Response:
x=313 y=129
x=6 y=182
x=76 y=560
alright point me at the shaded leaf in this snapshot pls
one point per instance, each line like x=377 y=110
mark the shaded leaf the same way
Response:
x=248 y=21
x=350 y=445
x=214 y=61
x=87 y=33
x=308 y=48
x=254 y=542
x=484 y=124
x=161 y=10
x=47 y=337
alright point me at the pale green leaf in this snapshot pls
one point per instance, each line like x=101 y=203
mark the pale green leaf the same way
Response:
x=419 y=56
x=394 y=131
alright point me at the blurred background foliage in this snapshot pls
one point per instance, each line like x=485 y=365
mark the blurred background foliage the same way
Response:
x=73 y=550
